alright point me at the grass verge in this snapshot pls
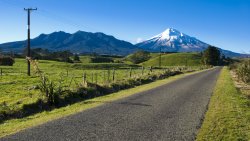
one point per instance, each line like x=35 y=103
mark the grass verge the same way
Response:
x=228 y=115
x=15 y=125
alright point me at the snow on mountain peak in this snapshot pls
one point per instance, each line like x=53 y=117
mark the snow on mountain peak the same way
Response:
x=168 y=34
x=173 y=40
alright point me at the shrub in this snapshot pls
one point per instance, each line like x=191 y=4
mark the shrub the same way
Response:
x=139 y=57
x=50 y=90
x=68 y=60
x=6 y=61
x=100 y=59
x=76 y=58
x=243 y=71
x=4 y=111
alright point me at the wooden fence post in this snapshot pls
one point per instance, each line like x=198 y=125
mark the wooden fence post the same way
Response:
x=92 y=77
x=113 y=75
x=104 y=77
x=142 y=70
x=84 y=78
x=151 y=69
x=96 y=77
x=108 y=76
x=130 y=72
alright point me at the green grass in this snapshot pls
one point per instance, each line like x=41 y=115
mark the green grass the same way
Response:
x=228 y=115
x=175 y=59
x=15 y=125
x=17 y=89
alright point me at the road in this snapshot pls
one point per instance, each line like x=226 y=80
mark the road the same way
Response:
x=170 y=112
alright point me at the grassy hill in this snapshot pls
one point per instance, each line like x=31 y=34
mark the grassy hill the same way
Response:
x=174 y=59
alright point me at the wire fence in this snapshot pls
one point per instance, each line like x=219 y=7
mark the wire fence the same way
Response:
x=99 y=77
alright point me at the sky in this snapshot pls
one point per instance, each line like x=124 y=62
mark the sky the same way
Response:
x=222 y=23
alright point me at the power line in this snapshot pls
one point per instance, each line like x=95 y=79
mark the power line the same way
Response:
x=52 y=16
x=28 y=41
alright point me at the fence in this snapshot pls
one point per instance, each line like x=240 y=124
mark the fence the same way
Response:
x=73 y=77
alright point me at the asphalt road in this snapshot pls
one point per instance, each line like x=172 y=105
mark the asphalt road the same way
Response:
x=170 y=112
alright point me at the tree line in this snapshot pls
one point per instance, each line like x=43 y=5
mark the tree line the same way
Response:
x=213 y=56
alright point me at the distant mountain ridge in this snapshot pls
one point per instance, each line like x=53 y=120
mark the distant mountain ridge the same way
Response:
x=79 y=42
x=172 y=40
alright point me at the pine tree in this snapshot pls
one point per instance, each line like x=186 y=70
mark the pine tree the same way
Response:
x=211 y=56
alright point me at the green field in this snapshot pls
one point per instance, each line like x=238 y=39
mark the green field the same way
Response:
x=18 y=89
x=15 y=125
x=228 y=116
x=20 y=96
x=174 y=59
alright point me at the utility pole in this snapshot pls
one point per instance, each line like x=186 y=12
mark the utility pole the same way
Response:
x=28 y=41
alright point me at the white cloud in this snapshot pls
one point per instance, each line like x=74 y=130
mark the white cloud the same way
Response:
x=138 y=40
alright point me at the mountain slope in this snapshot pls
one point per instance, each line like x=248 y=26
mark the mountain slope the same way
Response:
x=175 y=59
x=172 y=40
x=79 y=42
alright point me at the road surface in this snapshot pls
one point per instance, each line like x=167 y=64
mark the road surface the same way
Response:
x=171 y=112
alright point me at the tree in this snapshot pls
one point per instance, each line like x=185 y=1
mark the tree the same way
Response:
x=100 y=59
x=211 y=56
x=6 y=61
x=139 y=57
x=76 y=57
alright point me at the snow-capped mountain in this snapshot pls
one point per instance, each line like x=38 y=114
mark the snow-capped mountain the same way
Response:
x=172 y=40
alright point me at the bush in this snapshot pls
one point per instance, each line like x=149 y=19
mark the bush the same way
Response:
x=243 y=71
x=6 y=61
x=76 y=58
x=100 y=59
x=139 y=57
x=68 y=60
x=45 y=54
x=50 y=90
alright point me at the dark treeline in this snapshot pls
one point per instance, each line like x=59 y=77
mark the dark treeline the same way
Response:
x=139 y=57
x=45 y=54
x=213 y=56
x=6 y=60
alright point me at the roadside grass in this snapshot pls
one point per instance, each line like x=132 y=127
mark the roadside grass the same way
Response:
x=15 y=125
x=228 y=115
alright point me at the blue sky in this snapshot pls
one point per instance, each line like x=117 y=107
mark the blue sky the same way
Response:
x=223 y=23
